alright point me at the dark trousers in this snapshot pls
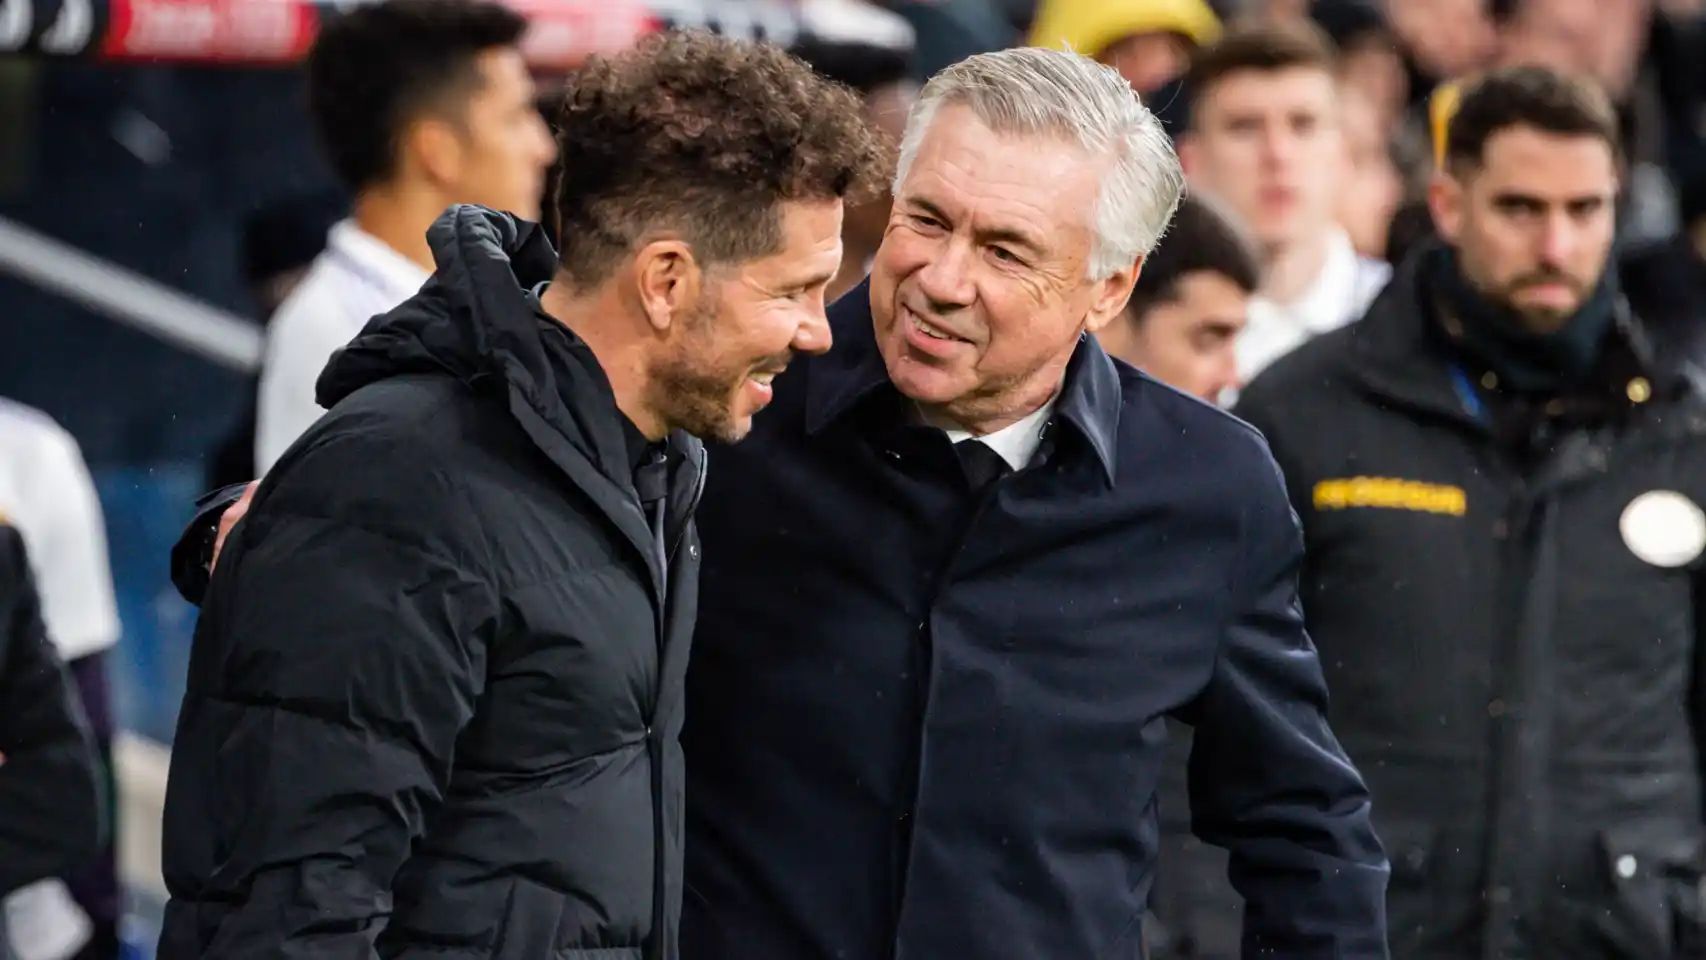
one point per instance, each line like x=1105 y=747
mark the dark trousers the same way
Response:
x=95 y=885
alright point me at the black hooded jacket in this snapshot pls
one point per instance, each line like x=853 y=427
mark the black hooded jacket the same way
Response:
x=436 y=688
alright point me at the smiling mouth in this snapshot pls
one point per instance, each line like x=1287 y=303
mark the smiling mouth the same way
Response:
x=933 y=332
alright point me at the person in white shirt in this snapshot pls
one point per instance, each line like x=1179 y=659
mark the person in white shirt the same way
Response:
x=47 y=495
x=1265 y=138
x=420 y=105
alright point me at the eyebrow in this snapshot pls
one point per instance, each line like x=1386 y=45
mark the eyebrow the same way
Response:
x=1518 y=198
x=815 y=280
x=989 y=235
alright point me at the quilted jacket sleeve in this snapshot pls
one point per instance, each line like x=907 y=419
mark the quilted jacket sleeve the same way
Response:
x=340 y=653
x=49 y=794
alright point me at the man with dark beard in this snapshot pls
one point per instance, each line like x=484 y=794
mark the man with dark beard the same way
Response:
x=434 y=702
x=1500 y=483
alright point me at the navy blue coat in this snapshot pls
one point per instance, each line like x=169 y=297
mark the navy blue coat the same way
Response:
x=927 y=723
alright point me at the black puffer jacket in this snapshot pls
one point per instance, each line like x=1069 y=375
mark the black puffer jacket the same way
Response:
x=49 y=797
x=436 y=689
x=1508 y=607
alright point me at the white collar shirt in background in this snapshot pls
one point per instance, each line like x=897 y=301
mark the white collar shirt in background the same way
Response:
x=47 y=494
x=356 y=278
x=1343 y=289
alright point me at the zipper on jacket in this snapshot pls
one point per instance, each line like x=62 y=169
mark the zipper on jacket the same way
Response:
x=692 y=507
x=657 y=943
x=654 y=754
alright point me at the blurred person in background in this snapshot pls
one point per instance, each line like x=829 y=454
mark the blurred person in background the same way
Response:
x=51 y=797
x=1370 y=59
x=1189 y=304
x=48 y=498
x=1372 y=188
x=1266 y=138
x=1607 y=42
x=1500 y=482
x=871 y=51
x=1666 y=279
x=1443 y=40
x=1150 y=42
x=963 y=570
x=437 y=686
x=280 y=243
x=419 y=104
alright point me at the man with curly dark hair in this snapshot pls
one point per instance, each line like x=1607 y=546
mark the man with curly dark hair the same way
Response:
x=436 y=693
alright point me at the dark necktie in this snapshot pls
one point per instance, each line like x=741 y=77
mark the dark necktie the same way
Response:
x=981 y=463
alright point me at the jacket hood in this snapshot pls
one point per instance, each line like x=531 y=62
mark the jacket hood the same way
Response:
x=476 y=320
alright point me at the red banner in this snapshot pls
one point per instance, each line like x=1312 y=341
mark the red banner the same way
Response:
x=210 y=31
x=263 y=32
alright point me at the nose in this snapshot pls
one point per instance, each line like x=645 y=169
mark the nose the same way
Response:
x=813 y=335
x=1278 y=145
x=1557 y=241
x=547 y=144
x=946 y=279
x=1230 y=383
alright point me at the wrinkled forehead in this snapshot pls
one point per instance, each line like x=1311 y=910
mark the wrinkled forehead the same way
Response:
x=965 y=161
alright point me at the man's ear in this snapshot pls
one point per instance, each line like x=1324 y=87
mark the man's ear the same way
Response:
x=1447 y=197
x=433 y=147
x=668 y=280
x=1111 y=295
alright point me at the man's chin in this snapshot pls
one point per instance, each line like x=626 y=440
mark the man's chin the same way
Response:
x=1544 y=318
x=730 y=428
x=734 y=430
x=925 y=384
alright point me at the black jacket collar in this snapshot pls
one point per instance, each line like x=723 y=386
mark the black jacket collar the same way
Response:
x=854 y=371
x=475 y=320
x=1396 y=354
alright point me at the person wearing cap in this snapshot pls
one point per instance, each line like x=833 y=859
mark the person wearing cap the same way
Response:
x=1500 y=481
x=1148 y=41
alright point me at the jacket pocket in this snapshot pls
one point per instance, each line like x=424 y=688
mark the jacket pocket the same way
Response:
x=1656 y=877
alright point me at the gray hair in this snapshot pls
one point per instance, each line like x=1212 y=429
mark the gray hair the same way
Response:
x=1033 y=91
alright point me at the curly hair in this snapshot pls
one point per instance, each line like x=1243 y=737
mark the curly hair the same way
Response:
x=704 y=136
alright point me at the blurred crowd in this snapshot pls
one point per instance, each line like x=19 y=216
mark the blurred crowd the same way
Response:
x=1313 y=135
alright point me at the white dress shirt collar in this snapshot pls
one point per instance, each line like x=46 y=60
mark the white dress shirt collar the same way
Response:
x=1016 y=443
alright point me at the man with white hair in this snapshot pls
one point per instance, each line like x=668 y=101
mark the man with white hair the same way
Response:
x=965 y=568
